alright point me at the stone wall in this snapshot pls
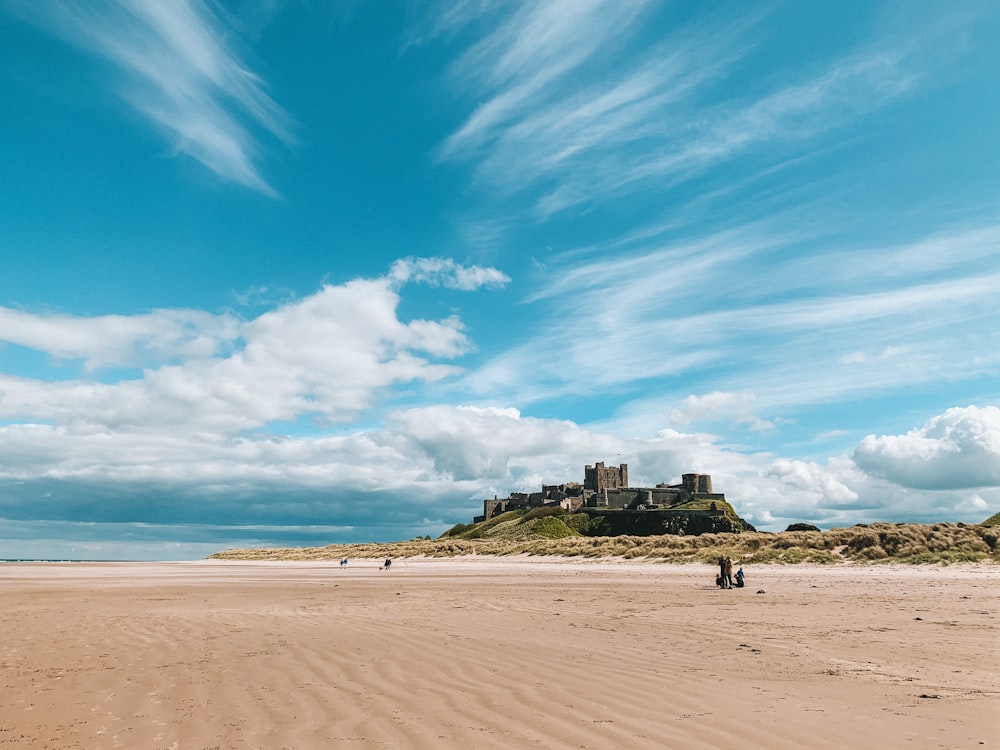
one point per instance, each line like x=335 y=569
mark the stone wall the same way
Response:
x=655 y=522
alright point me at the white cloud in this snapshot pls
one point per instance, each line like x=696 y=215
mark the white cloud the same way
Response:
x=957 y=449
x=717 y=405
x=699 y=310
x=486 y=443
x=120 y=340
x=330 y=355
x=860 y=357
x=447 y=273
x=564 y=112
x=974 y=503
x=850 y=88
x=183 y=73
x=435 y=462
x=539 y=44
x=821 y=484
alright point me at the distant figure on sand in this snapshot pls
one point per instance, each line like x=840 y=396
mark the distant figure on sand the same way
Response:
x=728 y=572
x=388 y=563
x=739 y=578
x=343 y=563
x=721 y=580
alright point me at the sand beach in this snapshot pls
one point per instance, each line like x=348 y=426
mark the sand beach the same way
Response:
x=496 y=653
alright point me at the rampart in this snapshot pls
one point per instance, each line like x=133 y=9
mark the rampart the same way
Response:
x=662 y=521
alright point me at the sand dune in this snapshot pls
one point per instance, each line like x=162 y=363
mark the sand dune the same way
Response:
x=496 y=653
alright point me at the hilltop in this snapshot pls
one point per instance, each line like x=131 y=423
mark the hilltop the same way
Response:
x=605 y=504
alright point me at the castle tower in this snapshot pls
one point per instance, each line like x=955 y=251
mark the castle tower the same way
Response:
x=705 y=484
x=599 y=477
x=697 y=483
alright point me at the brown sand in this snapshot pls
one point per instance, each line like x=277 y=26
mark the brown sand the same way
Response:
x=487 y=653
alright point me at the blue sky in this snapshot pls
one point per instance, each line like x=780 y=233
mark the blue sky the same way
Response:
x=294 y=273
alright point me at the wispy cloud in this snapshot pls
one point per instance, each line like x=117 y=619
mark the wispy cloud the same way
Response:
x=740 y=311
x=447 y=273
x=539 y=44
x=182 y=71
x=848 y=89
x=660 y=115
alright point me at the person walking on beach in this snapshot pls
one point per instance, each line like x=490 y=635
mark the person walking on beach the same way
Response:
x=388 y=562
x=727 y=567
x=722 y=572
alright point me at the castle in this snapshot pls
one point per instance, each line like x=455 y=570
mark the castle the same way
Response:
x=605 y=488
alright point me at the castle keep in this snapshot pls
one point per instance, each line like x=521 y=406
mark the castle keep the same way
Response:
x=598 y=478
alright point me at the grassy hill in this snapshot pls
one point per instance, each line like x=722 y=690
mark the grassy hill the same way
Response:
x=556 y=523
x=993 y=520
x=533 y=533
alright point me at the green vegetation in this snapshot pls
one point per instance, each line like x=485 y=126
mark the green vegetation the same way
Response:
x=558 y=533
x=993 y=520
x=801 y=527
x=553 y=528
x=547 y=522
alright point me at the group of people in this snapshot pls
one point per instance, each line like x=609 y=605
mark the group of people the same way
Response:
x=385 y=566
x=725 y=578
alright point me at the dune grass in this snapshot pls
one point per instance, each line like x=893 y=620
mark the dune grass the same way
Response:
x=550 y=535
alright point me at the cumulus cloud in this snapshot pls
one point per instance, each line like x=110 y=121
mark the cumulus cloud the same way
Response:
x=469 y=442
x=823 y=486
x=120 y=340
x=923 y=476
x=719 y=405
x=957 y=449
x=220 y=429
x=329 y=354
x=421 y=471
x=773 y=493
